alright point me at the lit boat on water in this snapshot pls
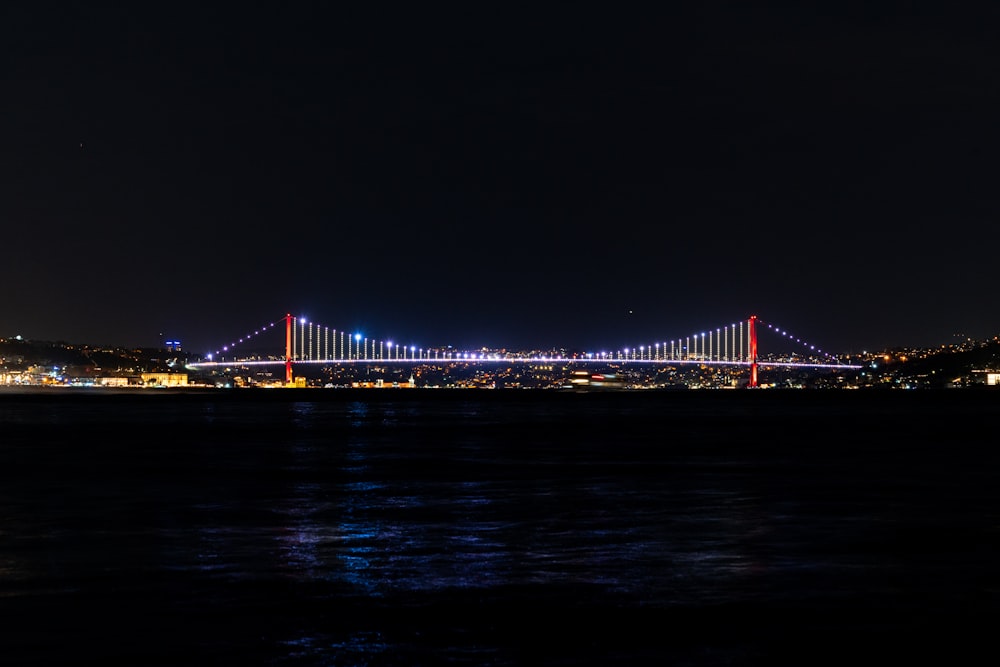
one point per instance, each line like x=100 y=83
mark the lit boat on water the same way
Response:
x=583 y=380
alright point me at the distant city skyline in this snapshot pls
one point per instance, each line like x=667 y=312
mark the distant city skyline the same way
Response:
x=312 y=338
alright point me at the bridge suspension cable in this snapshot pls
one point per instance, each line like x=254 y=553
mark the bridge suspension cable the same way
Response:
x=311 y=342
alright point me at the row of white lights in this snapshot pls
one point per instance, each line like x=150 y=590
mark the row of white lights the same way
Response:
x=642 y=353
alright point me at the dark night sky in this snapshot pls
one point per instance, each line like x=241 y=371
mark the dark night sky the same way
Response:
x=507 y=177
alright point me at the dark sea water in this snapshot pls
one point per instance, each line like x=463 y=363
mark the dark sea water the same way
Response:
x=477 y=527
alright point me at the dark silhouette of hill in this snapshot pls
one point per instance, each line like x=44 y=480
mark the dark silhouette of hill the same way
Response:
x=19 y=354
x=948 y=366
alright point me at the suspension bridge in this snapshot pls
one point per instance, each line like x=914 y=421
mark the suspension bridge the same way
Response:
x=308 y=342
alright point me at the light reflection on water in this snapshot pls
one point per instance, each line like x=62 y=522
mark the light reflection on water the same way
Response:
x=384 y=537
x=322 y=519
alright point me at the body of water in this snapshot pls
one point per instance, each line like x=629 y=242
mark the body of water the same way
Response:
x=477 y=527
